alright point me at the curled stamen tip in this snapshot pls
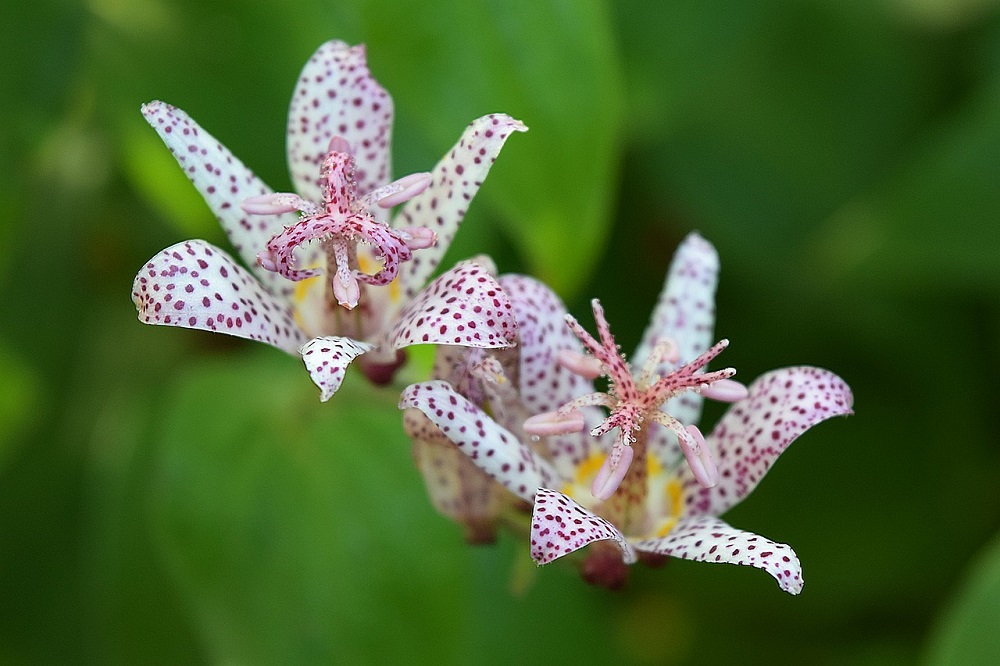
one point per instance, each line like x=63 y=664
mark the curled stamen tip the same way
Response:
x=265 y=259
x=699 y=458
x=612 y=473
x=726 y=390
x=270 y=204
x=554 y=423
x=418 y=238
x=587 y=367
x=409 y=187
x=339 y=144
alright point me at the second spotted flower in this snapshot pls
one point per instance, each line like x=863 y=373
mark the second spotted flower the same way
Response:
x=658 y=488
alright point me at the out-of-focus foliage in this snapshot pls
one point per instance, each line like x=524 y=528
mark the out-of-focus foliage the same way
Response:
x=968 y=632
x=173 y=496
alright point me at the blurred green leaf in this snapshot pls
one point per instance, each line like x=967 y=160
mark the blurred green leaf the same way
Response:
x=554 y=66
x=20 y=392
x=922 y=226
x=967 y=634
x=296 y=531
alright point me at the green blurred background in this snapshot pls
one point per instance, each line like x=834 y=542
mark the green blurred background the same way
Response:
x=170 y=496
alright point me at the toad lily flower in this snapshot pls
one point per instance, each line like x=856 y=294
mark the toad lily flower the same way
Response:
x=660 y=506
x=511 y=385
x=342 y=280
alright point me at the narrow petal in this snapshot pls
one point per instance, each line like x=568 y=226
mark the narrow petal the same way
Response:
x=709 y=539
x=224 y=182
x=464 y=306
x=337 y=95
x=541 y=333
x=327 y=358
x=197 y=285
x=545 y=384
x=456 y=179
x=781 y=405
x=684 y=313
x=560 y=526
x=492 y=448
x=457 y=488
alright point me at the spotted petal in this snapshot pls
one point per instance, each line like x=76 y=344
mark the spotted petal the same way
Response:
x=464 y=306
x=197 y=285
x=560 y=526
x=709 y=539
x=544 y=384
x=224 y=182
x=337 y=95
x=685 y=312
x=782 y=405
x=456 y=179
x=327 y=358
x=457 y=488
x=492 y=448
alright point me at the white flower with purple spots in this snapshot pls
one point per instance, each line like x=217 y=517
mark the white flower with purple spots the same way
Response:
x=342 y=280
x=511 y=384
x=660 y=505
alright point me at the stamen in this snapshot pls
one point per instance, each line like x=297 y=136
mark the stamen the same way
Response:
x=277 y=204
x=587 y=367
x=401 y=190
x=725 y=390
x=554 y=423
x=417 y=238
x=698 y=457
x=612 y=472
x=346 y=289
x=267 y=260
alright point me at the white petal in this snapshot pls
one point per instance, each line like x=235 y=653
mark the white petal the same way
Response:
x=327 y=358
x=464 y=306
x=492 y=448
x=685 y=313
x=560 y=526
x=337 y=95
x=748 y=439
x=456 y=179
x=709 y=539
x=196 y=285
x=224 y=182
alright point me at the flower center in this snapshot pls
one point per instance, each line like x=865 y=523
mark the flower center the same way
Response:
x=633 y=402
x=342 y=221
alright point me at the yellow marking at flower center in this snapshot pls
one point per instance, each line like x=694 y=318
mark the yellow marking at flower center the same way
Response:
x=675 y=501
x=367 y=264
x=302 y=288
x=585 y=473
x=299 y=296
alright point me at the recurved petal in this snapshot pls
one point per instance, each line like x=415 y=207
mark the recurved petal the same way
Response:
x=781 y=405
x=464 y=306
x=709 y=539
x=327 y=358
x=196 y=285
x=337 y=95
x=492 y=448
x=455 y=181
x=685 y=313
x=224 y=182
x=545 y=385
x=560 y=526
x=456 y=487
